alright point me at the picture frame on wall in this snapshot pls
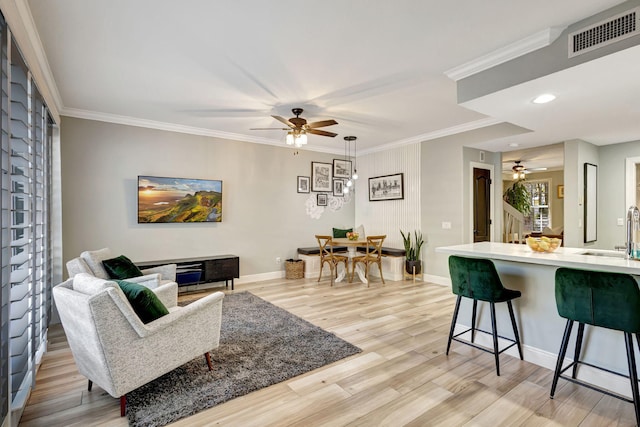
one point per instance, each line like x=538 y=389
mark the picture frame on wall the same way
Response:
x=303 y=184
x=338 y=187
x=560 y=191
x=341 y=168
x=323 y=199
x=387 y=187
x=321 y=176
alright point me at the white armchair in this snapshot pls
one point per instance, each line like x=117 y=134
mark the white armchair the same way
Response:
x=113 y=348
x=90 y=262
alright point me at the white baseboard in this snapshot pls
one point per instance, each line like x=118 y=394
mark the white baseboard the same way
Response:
x=392 y=267
x=438 y=280
x=609 y=381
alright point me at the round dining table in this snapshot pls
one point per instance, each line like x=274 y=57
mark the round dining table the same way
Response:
x=351 y=252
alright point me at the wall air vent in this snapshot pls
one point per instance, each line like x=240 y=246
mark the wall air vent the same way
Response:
x=605 y=32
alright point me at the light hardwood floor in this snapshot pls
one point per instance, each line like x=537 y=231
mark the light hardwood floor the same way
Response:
x=402 y=377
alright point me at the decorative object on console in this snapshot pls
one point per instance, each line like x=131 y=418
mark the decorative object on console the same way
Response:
x=162 y=200
x=413 y=264
x=303 y=184
x=388 y=187
x=321 y=176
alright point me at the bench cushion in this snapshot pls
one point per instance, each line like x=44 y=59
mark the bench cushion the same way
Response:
x=314 y=250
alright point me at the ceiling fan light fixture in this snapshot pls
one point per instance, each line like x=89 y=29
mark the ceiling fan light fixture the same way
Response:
x=518 y=170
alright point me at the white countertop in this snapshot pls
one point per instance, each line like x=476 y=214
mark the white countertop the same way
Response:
x=613 y=261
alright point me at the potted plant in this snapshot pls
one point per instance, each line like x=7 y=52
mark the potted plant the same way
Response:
x=518 y=196
x=412 y=252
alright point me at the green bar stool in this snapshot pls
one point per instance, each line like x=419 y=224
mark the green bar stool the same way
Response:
x=607 y=300
x=477 y=279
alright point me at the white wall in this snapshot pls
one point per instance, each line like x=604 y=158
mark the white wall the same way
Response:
x=576 y=154
x=390 y=216
x=263 y=215
x=611 y=192
x=442 y=200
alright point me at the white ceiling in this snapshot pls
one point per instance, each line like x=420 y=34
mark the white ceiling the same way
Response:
x=378 y=68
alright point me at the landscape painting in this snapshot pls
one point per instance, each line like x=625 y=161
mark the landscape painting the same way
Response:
x=162 y=200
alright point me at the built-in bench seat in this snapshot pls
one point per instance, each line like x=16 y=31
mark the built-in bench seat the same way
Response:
x=392 y=261
x=315 y=250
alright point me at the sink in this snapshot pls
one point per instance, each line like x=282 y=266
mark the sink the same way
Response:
x=604 y=253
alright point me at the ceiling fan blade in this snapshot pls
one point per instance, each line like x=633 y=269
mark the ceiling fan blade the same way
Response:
x=285 y=121
x=321 y=132
x=321 y=124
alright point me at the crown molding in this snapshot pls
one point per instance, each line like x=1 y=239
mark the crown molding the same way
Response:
x=440 y=133
x=526 y=45
x=172 y=127
x=23 y=28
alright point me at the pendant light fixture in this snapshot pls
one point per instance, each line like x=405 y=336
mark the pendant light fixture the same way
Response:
x=355 y=159
x=347 y=143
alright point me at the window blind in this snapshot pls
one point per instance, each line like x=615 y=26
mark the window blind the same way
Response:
x=26 y=245
x=5 y=206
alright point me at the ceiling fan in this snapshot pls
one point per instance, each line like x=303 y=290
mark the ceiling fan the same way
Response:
x=298 y=126
x=519 y=170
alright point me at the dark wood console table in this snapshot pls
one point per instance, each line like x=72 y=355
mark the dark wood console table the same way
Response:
x=194 y=271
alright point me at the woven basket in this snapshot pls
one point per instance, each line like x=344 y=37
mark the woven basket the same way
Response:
x=294 y=269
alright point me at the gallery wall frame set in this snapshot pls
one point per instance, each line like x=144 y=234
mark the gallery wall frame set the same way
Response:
x=341 y=168
x=303 y=184
x=321 y=177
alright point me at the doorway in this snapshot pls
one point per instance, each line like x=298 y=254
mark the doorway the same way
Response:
x=481 y=205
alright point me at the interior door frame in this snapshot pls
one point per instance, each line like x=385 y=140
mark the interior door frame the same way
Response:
x=492 y=189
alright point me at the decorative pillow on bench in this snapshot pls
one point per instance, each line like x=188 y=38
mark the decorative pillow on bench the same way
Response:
x=340 y=233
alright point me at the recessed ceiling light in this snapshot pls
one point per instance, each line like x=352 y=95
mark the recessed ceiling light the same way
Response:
x=544 y=98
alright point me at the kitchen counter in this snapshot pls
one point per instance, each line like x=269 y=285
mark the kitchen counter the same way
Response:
x=585 y=258
x=541 y=328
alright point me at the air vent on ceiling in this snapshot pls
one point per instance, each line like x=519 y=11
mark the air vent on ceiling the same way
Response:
x=605 y=32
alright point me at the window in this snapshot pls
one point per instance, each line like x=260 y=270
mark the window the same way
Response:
x=540 y=215
x=25 y=260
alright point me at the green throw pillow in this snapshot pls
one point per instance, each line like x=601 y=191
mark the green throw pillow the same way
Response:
x=121 y=268
x=143 y=300
x=339 y=233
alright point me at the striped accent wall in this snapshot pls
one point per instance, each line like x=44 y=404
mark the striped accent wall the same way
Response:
x=390 y=216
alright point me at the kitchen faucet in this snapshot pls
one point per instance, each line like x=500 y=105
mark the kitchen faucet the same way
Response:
x=633 y=226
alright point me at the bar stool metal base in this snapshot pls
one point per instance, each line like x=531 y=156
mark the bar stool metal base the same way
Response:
x=494 y=332
x=631 y=361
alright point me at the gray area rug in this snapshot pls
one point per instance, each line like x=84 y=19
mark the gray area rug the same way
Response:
x=260 y=345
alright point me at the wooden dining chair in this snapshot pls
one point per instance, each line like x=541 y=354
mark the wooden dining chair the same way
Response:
x=327 y=256
x=372 y=256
